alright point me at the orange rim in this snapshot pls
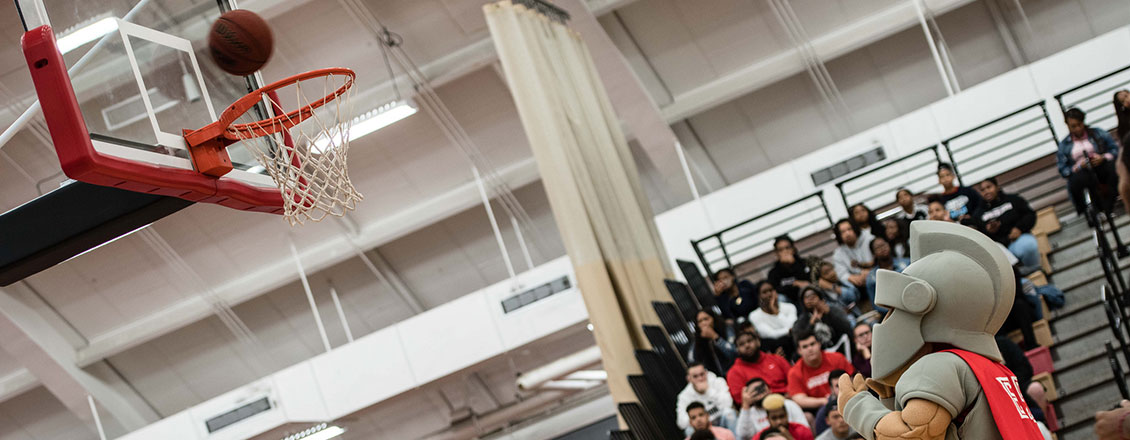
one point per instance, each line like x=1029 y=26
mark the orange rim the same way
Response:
x=275 y=124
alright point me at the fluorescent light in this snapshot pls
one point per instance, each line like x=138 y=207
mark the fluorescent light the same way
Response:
x=371 y=121
x=86 y=34
x=319 y=432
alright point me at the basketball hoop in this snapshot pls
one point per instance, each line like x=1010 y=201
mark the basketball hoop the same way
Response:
x=303 y=150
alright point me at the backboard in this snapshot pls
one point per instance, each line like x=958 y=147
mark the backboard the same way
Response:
x=119 y=81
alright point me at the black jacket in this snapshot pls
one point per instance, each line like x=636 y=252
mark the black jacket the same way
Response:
x=1011 y=210
x=782 y=276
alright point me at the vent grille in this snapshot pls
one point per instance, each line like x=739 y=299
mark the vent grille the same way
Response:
x=852 y=164
x=236 y=415
x=535 y=294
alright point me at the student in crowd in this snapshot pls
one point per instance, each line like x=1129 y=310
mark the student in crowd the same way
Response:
x=828 y=323
x=808 y=379
x=864 y=219
x=838 y=291
x=852 y=257
x=752 y=362
x=884 y=259
x=790 y=273
x=709 y=390
x=735 y=297
x=779 y=420
x=910 y=211
x=753 y=418
x=960 y=201
x=712 y=347
x=1122 y=112
x=861 y=349
x=773 y=319
x=898 y=235
x=1086 y=159
x=700 y=421
x=1008 y=220
x=838 y=428
x=702 y=435
x=820 y=422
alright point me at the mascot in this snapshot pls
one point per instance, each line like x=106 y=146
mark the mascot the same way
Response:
x=935 y=364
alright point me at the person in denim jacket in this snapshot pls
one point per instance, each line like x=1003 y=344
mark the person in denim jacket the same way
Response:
x=1086 y=159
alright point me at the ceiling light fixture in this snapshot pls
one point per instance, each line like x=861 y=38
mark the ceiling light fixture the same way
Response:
x=75 y=39
x=371 y=121
x=318 y=432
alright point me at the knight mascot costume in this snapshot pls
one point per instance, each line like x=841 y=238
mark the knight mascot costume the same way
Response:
x=936 y=367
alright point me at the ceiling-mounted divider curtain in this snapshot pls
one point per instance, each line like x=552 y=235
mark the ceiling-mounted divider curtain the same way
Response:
x=590 y=179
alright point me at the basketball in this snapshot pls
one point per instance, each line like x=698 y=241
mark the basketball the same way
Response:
x=240 y=42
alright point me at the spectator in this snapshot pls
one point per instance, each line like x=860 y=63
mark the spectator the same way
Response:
x=772 y=435
x=808 y=379
x=773 y=319
x=898 y=235
x=820 y=422
x=700 y=421
x=861 y=354
x=828 y=281
x=712 y=347
x=883 y=260
x=735 y=297
x=1122 y=111
x=937 y=210
x=753 y=363
x=960 y=201
x=753 y=418
x=1086 y=159
x=779 y=420
x=910 y=211
x=828 y=323
x=838 y=429
x=790 y=273
x=1008 y=220
x=852 y=257
x=709 y=390
x=864 y=219
x=702 y=435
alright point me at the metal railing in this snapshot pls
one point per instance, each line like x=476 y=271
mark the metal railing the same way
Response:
x=750 y=238
x=917 y=172
x=1095 y=97
x=998 y=145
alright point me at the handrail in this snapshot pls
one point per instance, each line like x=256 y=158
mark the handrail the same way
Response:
x=994 y=121
x=1080 y=86
x=1119 y=376
x=879 y=166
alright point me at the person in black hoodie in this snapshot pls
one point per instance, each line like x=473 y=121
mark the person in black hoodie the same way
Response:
x=790 y=273
x=960 y=201
x=1008 y=220
x=736 y=298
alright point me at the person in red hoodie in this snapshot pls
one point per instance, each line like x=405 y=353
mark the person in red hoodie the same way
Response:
x=752 y=362
x=808 y=379
x=774 y=405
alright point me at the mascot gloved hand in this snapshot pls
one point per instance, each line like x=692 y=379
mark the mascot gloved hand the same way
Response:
x=937 y=369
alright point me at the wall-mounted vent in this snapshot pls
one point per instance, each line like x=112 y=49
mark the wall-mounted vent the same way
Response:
x=852 y=164
x=236 y=415
x=535 y=294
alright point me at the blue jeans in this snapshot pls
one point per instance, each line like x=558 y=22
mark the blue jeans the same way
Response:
x=1027 y=250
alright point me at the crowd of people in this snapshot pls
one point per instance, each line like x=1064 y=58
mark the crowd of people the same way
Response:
x=767 y=365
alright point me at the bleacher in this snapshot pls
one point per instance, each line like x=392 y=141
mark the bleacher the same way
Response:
x=1083 y=350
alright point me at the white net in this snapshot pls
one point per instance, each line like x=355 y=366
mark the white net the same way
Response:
x=306 y=151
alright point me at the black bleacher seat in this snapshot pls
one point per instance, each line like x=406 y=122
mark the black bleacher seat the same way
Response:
x=639 y=422
x=621 y=434
x=683 y=298
x=665 y=385
x=661 y=345
x=702 y=288
x=661 y=414
x=676 y=327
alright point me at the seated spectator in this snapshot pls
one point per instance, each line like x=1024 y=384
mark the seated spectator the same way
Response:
x=709 y=390
x=790 y=273
x=808 y=379
x=883 y=260
x=898 y=235
x=960 y=201
x=1086 y=159
x=910 y=211
x=700 y=421
x=752 y=362
x=773 y=319
x=852 y=257
x=820 y=422
x=838 y=428
x=712 y=347
x=861 y=354
x=779 y=420
x=864 y=219
x=1008 y=220
x=702 y=435
x=753 y=418
x=837 y=290
x=828 y=323
x=1122 y=112
x=736 y=298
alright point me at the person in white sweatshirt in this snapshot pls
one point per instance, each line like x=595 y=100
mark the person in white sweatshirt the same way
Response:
x=773 y=319
x=703 y=386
